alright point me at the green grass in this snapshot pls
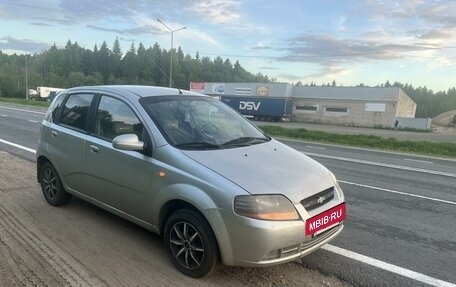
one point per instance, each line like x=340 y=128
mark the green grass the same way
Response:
x=404 y=129
x=445 y=149
x=18 y=101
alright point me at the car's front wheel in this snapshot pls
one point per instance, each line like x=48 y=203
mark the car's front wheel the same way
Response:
x=191 y=243
x=51 y=185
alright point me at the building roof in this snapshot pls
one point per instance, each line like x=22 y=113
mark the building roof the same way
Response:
x=347 y=93
x=389 y=94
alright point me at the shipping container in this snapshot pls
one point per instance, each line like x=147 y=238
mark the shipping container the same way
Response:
x=260 y=108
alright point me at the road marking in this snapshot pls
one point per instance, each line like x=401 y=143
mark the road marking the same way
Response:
x=22 y=110
x=315 y=147
x=382 y=164
x=18 y=146
x=32 y=121
x=417 y=160
x=5 y=116
x=399 y=192
x=387 y=266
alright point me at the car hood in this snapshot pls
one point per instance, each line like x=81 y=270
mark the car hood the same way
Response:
x=267 y=168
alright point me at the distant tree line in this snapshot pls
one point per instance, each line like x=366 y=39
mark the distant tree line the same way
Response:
x=74 y=65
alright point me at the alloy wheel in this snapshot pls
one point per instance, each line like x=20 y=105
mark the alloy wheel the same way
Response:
x=186 y=245
x=50 y=183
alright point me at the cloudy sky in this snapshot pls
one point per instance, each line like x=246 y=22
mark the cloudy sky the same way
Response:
x=365 y=41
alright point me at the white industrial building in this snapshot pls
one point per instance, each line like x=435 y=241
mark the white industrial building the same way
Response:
x=349 y=106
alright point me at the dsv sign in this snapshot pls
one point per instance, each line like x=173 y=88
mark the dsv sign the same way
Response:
x=249 y=106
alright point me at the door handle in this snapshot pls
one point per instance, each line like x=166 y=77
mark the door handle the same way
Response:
x=94 y=148
x=54 y=134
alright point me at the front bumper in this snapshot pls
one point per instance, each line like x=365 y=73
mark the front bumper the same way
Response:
x=263 y=243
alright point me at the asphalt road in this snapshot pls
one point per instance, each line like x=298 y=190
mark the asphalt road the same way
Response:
x=21 y=126
x=401 y=223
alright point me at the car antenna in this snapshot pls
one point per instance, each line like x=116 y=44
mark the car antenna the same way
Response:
x=180 y=92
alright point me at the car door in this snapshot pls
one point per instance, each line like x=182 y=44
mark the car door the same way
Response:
x=66 y=136
x=120 y=179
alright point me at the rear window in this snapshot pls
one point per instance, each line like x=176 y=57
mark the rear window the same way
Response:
x=76 y=110
x=55 y=108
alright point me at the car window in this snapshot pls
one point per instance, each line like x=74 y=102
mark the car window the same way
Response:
x=201 y=123
x=55 y=108
x=76 y=110
x=115 y=118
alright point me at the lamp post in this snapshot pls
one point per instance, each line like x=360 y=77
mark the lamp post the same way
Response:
x=171 y=59
x=26 y=78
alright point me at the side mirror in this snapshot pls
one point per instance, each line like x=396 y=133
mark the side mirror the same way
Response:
x=128 y=142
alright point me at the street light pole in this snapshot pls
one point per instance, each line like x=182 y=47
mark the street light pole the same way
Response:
x=172 y=51
x=26 y=78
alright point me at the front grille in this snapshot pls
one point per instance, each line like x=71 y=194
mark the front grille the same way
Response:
x=318 y=199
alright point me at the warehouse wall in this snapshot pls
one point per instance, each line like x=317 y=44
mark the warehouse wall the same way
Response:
x=349 y=106
x=406 y=107
x=415 y=123
x=348 y=113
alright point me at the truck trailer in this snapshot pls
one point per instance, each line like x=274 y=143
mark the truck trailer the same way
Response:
x=43 y=93
x=260 y=108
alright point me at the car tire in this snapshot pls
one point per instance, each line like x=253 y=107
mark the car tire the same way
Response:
x=52 y=187
x=191 y=243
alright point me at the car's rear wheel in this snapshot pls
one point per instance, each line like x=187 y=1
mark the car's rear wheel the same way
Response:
x=52 y=187
x=191 y=243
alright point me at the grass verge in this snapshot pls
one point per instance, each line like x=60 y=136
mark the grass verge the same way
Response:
x=368 y=141
x=18 y=101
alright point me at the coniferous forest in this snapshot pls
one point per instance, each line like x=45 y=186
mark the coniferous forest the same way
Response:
x=74 y=65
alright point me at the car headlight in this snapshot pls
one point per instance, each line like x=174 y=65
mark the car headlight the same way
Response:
x=266 y=207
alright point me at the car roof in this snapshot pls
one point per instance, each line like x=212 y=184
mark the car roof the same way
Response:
x=134 y=90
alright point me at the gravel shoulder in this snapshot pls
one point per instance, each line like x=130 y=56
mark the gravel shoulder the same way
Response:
x=82 y=245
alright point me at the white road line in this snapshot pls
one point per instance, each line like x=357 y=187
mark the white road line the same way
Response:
x=417 y=160
x=399 y=192
x=32 y=121
x=5 y=116
x=449 y=174
x=22 y=110
x=315 y=147
x=388 y=267
x=18 y=146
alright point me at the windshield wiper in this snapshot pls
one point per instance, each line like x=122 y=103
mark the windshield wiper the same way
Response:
x=197 y=145
x=244 y=141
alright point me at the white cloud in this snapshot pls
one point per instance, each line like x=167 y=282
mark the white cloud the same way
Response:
x=189 y=32
x=202 y=36
x=22 y=46
x=261 y=46
x=341 y=24
x=441 y=61
x=218 y=11
x=329 y=73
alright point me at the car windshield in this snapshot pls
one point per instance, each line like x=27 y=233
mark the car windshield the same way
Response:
x=196 y=122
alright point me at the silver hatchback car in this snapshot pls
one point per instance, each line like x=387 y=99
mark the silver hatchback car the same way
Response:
x=188 y=167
